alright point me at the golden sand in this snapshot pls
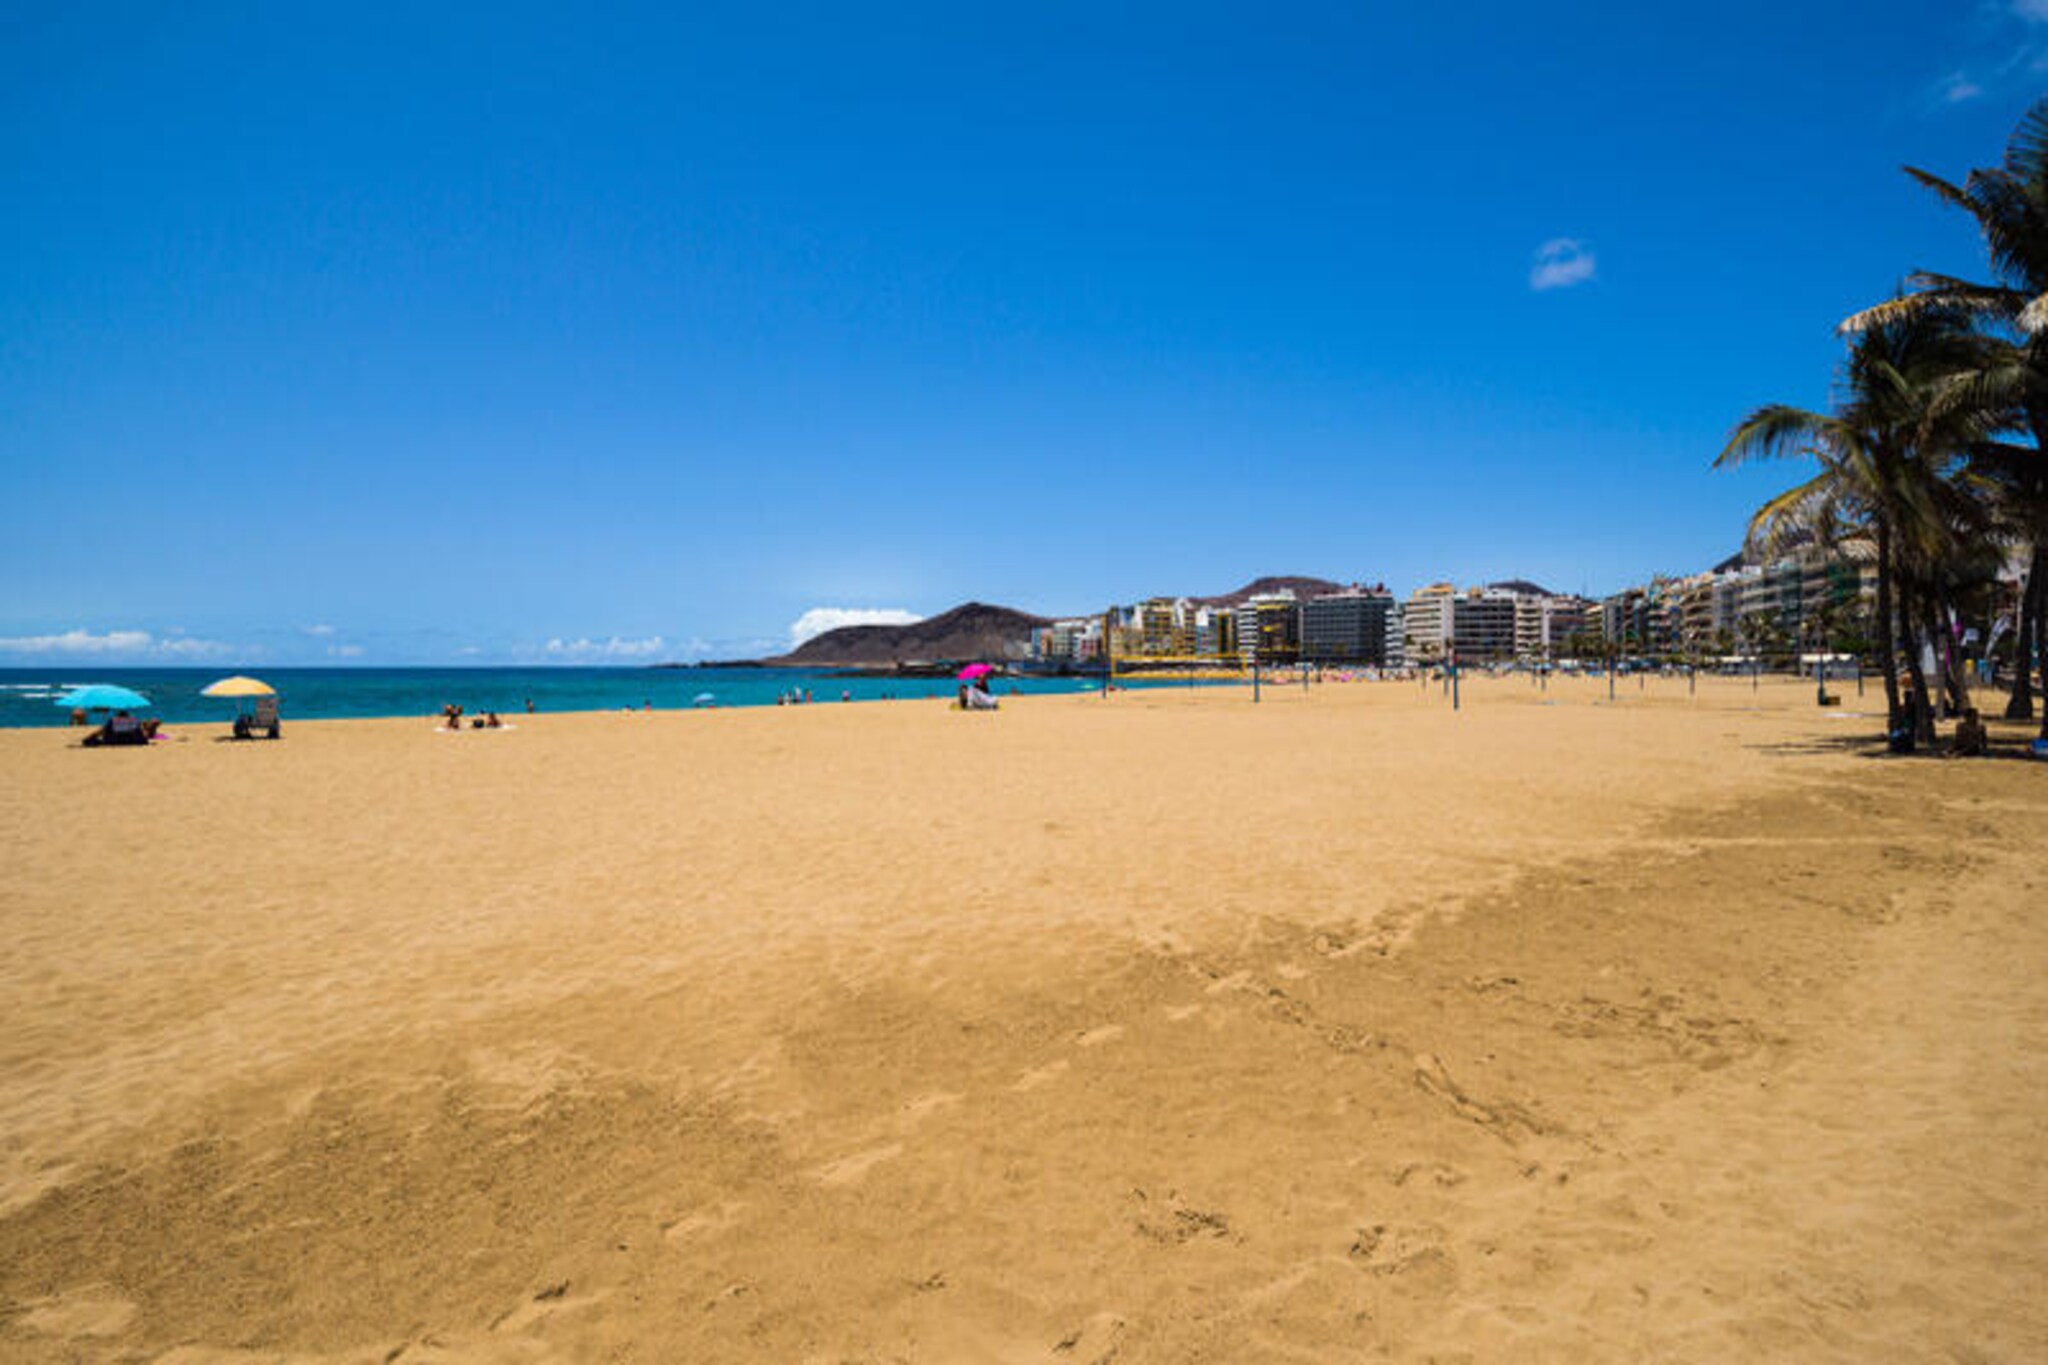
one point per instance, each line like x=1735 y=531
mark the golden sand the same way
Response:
x=1156 y=1028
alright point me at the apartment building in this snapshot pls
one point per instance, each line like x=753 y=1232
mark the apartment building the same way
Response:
x=1215 y=632
x=1269 y=629
x=1166 y=627
x=1544 y=624
x=1074 y=640
x=1483 y=624
x=1347 y=627
x=1426 y=622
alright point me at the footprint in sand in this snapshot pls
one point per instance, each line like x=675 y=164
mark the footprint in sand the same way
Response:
x=1095 y=1343
x=546 y=1303
x=89 y=1312
x=1379 y=1249
x=1096 y=1037
x=1039 y=1075
x=704 y=1222
x=850 y=1170
x=916 y=1111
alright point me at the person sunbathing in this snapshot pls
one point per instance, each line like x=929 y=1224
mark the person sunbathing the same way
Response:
x=121 y=728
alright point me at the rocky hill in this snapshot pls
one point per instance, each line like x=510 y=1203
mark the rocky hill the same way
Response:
x=1303 y=587
x=973 y=630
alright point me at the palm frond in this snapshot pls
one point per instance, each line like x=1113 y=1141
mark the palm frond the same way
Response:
x=1953 y=194
x=1966 y=297
x=1781 y=432
x=1811 y=509
x=2026 y=151
x=2033 y=316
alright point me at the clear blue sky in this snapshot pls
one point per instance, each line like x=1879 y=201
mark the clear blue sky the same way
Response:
x=438 y=333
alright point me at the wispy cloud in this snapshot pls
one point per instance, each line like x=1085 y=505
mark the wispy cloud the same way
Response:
x=614 y=648
x=77 y=642
x=85 y=644
x=1956 y=87
x=818 y=620
x=186 y=647
x=2005 y=53
x=1561 y=263
x=318 y=632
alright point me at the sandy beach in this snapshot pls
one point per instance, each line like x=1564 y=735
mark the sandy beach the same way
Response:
x=1161 y=1028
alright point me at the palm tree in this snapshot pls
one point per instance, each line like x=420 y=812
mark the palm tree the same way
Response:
x=2010 y=205
x=1885 y=457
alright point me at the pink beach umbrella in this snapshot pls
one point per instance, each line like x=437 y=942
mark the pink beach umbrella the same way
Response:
x=973 y=671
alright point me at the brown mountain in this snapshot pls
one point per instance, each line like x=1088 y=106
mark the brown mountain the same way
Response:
x=1303 y=587
x=973 y=630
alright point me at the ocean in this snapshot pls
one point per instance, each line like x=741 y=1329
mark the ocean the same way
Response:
x=28 y=695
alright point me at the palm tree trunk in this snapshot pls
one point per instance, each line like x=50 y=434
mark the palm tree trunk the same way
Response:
x=2040 y=580
x=1953 y=697
x=1887 y=631
x=2021 y=705
x=1923 y=714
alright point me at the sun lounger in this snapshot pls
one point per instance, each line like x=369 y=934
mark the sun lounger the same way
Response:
x=263 y=722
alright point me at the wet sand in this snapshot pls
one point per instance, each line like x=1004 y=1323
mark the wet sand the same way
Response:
x=1161 y=1028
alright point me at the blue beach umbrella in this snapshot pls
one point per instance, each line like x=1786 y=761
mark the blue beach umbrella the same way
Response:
x=103 y=697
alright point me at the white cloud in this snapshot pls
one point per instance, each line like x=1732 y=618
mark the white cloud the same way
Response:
x=1561 y=263
x=89 y=645
x=185 y=647
x=1956 y=87
x=318 y=630
x=85 y=644
x=2033 y=11
x=614 y=648
x=77 y=642
x=818 y=620
x=344 y=651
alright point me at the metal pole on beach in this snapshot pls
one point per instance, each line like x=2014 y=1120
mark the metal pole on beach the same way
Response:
x=1454 y=679
x=1108 y=651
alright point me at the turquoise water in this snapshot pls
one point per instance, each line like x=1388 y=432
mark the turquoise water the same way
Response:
x=28 y=695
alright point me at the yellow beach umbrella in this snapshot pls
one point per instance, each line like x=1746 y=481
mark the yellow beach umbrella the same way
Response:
x=238 y=686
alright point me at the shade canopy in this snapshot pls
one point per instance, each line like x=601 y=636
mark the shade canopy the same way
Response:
x=973 y=671
x=238 y=686
x=102 y=697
